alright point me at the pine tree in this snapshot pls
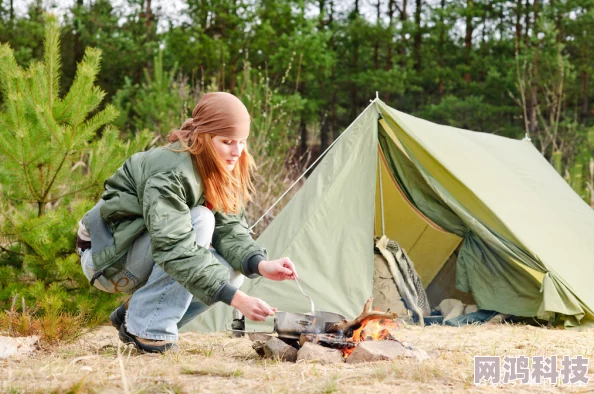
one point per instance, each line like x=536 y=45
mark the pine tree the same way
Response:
x=55 y=153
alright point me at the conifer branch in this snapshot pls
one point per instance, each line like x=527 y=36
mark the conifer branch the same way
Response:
x=49 y=186
x=10 y=155
x=89 y=186
x=2 y=248
x=21 y=239
x=50 y=128
x=24 y=165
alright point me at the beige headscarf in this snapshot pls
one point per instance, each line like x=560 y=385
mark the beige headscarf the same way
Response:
x=217 y=113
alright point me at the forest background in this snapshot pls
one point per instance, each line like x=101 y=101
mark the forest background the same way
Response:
x=116 y=78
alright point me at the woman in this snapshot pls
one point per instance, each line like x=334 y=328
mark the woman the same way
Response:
x=150 y=233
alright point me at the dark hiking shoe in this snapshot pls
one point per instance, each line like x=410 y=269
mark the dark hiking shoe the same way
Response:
x=146 y=345
x=118 y=317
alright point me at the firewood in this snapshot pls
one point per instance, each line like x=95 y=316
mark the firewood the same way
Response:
x=367 y=315
x=329 y=341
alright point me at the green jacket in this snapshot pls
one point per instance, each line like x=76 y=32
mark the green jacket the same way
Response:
x=155 y=191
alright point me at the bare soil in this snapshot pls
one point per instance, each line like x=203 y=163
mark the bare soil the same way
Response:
x=217 y=363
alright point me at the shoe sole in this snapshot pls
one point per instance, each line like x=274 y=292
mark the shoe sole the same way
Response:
x=129 y=338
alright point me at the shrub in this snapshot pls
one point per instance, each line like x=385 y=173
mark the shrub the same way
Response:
x=55 y=153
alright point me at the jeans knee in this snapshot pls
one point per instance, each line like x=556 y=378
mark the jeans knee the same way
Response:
x=203 y=222
x=236 y=278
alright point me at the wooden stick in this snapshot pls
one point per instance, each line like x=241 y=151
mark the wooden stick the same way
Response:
x=367 y=315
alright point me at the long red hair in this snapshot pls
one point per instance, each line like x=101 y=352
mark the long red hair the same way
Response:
x=227 y=191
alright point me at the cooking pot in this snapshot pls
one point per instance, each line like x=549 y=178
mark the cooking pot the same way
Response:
x=290 y=325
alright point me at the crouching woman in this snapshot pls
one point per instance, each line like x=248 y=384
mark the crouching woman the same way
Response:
x=170 y=229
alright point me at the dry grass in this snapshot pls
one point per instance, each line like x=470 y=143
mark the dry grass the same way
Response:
x=217 y=363
x=53 y=326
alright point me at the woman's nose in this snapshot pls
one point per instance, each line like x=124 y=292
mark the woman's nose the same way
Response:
x=235 y=151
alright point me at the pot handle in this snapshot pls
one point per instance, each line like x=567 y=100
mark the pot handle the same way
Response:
x=228 y=328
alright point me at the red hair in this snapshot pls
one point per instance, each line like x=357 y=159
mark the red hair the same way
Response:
x=227 y=191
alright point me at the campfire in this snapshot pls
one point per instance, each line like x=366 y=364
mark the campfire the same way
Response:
x=343 y=340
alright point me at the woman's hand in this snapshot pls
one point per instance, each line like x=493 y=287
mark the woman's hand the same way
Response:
x=281 y=269
x=253 y=308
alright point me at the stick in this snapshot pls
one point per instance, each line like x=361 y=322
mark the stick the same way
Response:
x=365 y=316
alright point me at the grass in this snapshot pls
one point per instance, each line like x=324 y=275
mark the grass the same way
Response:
x=235 y=373
x=214 y=363
x=52 y=325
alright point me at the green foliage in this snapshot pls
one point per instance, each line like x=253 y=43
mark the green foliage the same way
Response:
x=52 y=168
x=471 y=113
x=160 y=104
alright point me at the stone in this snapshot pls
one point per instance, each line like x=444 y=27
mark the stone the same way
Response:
x=277 y=349
x=10 y=346
x=320 y=354
x=384 y=350
x=259 y=336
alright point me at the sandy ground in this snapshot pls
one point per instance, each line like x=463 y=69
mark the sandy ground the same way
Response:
x=217 y=363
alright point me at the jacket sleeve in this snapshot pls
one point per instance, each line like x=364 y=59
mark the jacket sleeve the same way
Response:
x=173 y=240
x=233 y=241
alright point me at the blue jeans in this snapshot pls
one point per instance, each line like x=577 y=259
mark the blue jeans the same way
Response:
x=159 y=306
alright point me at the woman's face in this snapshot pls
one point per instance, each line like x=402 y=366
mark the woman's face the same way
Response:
x=228 y=149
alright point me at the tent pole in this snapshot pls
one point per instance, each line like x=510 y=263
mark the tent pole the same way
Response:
x=379 y=166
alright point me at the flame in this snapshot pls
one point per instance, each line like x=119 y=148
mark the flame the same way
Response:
x=373 y=330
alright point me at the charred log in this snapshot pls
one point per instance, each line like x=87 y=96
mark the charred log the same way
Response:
x=329 y=341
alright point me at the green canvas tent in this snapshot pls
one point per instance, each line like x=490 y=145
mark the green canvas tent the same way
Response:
x=524 y=240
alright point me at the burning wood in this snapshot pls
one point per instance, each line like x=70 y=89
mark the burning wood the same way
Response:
x=327 y=340
x=346 y=335
x=365 y=317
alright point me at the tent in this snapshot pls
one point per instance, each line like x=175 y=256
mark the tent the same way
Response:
x=523 y=239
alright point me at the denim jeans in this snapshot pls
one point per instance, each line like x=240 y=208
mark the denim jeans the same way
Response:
x=159 y=305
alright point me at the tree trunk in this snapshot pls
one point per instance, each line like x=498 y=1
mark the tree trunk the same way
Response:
x=148 y=15
x=148 y=20
x=355 y=65
x=321 y=8
x=303 y=135
x=403 y=19
x=518 y=21
x=391 y=6
x=418 y=36
x=324 y=131
x=333 y=98
x=585 y=78
x=441 y=47
x=468 y=38
x=376 y=43
x=527 y=23
x=78 y=46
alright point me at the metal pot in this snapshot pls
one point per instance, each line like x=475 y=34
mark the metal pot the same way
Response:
x=292 y=325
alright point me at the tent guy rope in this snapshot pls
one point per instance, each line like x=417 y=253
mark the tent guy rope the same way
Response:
x=307 y=170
